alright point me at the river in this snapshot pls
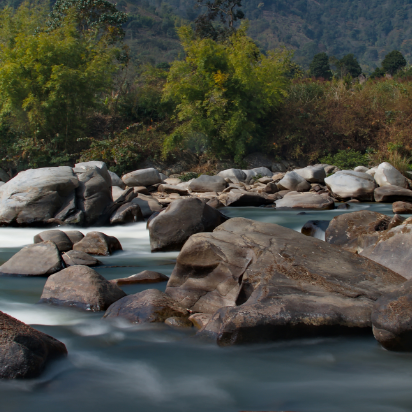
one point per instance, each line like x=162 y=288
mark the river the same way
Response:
x=115 y=367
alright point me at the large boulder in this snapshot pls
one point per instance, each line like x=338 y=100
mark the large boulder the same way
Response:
x=386 y=175
x=235 y=175
x=142 y=177
x=390 y=194
x=80 y=287
x=36 y=195
x=393 y=249
x=257 y=173
x=295 y=182
x=184 y=217
x=58 y=237
x=205 y=183
x=266 y=282
x=402 y=207
x=127 y=213
x=148 y=205
x=149 y=306
x=25 y=351
x=392 y=319
x=295 y=200
x=312 y=174
x=97 y=243
x=41 y=259
x=116 y=181
x=349 y=229
x=147 y=276
x=74 y=257
x=348 y=184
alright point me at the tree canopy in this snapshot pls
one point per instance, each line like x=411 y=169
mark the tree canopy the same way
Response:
x=349 y=65
x=320 y=67
x=393 y=62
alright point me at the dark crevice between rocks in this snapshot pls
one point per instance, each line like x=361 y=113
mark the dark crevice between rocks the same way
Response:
x=245 y=292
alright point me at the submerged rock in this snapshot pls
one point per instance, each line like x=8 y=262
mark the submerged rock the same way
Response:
x=97 y=243
x=25 y=351
x=176 y=322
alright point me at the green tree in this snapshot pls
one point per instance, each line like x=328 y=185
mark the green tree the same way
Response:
x=320 y=67
x=393 y=61
x=349 y=65
x=223 y=90
x=377 y=73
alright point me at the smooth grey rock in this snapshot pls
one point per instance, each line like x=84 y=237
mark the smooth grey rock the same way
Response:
x=330 y=169
x=69 y=207
x=205 y=183
x=295 y=200
x=58 y=237
x=75 y=257
x=127 y=213
x=148 y=205
x=390 y=194
x=293 y=181
x=235 y=175
x=97 y=243
x=362 y=169
x=312 y=174
x=116 y=181
x=387 y=175
x=41 y=259
x=278 y=167
x=142 y=177
x=258 y=172
x=348 y=184
x=117 y=192
x=172 y=181
x=372 y=171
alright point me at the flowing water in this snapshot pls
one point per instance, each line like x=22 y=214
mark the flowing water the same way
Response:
x=119 y=367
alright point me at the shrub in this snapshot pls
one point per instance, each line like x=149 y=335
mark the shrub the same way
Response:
x=346 y=159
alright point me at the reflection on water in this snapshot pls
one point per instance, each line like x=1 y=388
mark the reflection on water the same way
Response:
x=117 y=366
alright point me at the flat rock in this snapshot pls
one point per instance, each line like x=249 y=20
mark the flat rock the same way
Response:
x=97 y=243
x=205 y=183
x=149 y=306
x=74 y=257
x=402 y=207
x=184 y=217
x=58 y=237
x=261 y=281
x=147 y=276
x=390 y=194
x=387 y=175
x=312 y=174
x=41 y=259
x=148 y=205
x=311 y=201
x=142 y=177
x=25 y=351
x=348 y=184
x=80 y=287
x=164 y=188
x=239 y=198
x=127 y=213
x=293 y=181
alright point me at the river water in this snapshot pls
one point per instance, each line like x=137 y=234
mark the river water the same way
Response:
x=119 y=367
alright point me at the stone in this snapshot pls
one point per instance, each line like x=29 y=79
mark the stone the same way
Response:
x=313 y=201
x=390 y=194
x=94 y=164
x=176 y=322
x=173 y=181
x=68 y=207
x=200 y=320
x=277 y=167
x=149 y=306
x=205 y=183
x=97 y=243
x=40 y=259
x=145 y=277
x=392 y=319
x=162 y=176
x=74 y=257
x=215 y=203
x=348 y=184
x=261 y=281
x=141 y=189
x=347 y=230
x=4 y=177
x=372 y=171
x=315 y=228
x=127 y=213
x=330 y=169
x=142 y=177
x=293 y=181
x=184 y=217
x=116 y=181
x=117 y=192
x=271 y=188
x=312 y=174
x=80 y=287
x=34 y=196
x=172 y=189
x=396 y=221
x=148 y=205
x=265 y=180
x=362 y=169
x=387 y=175
x=74 y=235
x=393 y=249
x=76 y=219
x=58 y=237
x=402 y=207
x=258 y=172
x=255 y=160
x=235 y=175
x=25 y=351
x=240 y=198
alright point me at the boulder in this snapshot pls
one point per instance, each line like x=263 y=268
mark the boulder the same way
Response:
x=348 y=184
x=271 y=188
x=148 y=205
x=4 y=177
x=330 y=169
x=390 y=194
x=184 y=217
x=347 y=230
x=313 y=201
x=262 y=282
x=164 y=188
x=397 y=220
x=142 y=177
x=117 y=192
x=278 y=167
x=386 y=175
x=392 y=319
x=147 y=276
x=205 y=183
x=97 y=243
x=315 y=228
x=402 y=207
x=36 y=195
x=74 y=235
x=68 y=208
x=312 y=174
x=239 y=198
x=258 y=172
x=80 y=287
x=58 y=237
x=116 y=181
x=215 y=203
x=25 y=351
x=362 y=169
x=149 y=306
x=74 y=257
x=293 y=181
x=393 y=249
x=41 y=259
x=127 y=213
x=173 y=181
x=235 y=175
x=372 y=171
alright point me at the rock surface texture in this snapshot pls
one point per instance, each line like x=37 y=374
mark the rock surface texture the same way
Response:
x=74 y=257
x=295 y=182
x=97 y=243
x=143 y=177
x=265 y=282
x=207 y=183
x=402 y=207
x=312 y=201
x=389 y=194
x=348 y=184
x=58 y=237
x=145 y=277
x=387 y=175
x=312 y=174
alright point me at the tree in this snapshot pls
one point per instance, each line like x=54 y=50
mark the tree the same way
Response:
x=393 y=61
x=377 y=73
x=349 y=65
x=223 y=91
x=320 y=67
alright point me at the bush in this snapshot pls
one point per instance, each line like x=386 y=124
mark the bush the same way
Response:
x=346 y=159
